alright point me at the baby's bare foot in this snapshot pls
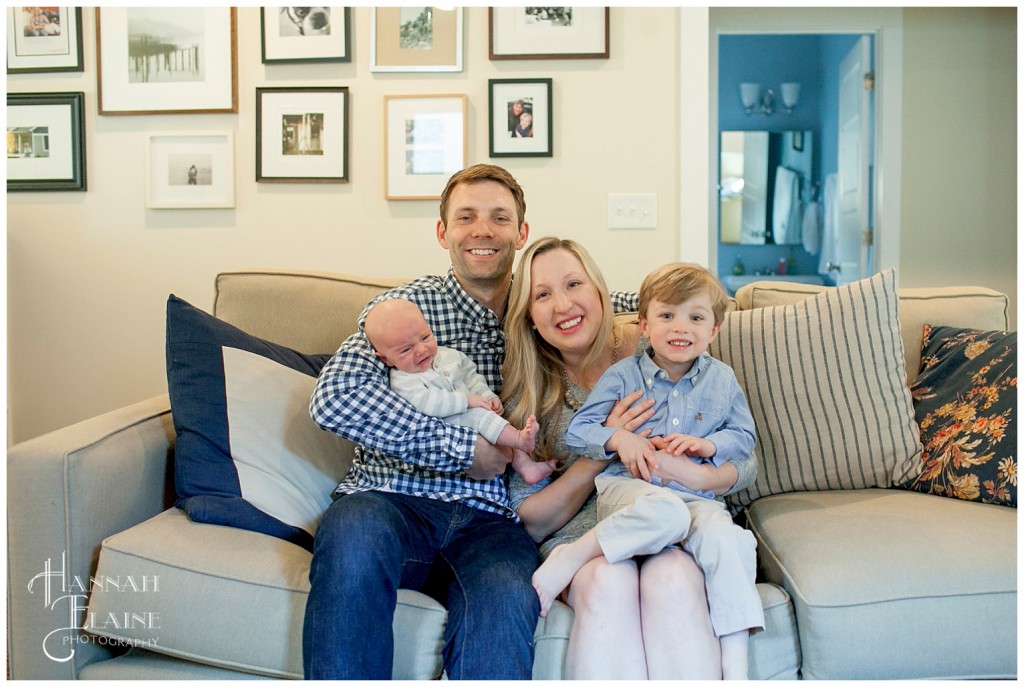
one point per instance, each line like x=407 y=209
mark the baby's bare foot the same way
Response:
x=528 y=435
x=530 y=470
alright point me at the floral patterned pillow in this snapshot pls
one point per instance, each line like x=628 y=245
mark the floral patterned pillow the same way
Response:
x=965 y=401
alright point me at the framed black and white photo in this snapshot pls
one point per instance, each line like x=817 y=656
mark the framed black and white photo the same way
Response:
x=548 y=33
x=45 y=142
x=520 y=117
x=44 y=39
x=163 y=60
x=305 y=34
x=302 y=134
x=424 y=144
x=190 y=170
x=416 y=39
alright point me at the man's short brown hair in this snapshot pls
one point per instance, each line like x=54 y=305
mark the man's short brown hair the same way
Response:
x=477 y=173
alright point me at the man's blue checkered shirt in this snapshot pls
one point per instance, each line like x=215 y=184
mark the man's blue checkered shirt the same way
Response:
x=399 y=449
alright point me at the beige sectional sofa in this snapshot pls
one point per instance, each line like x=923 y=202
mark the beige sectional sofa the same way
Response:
x=863 y=582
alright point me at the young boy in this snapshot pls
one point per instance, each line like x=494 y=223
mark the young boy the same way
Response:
x=444 y=383
x=700 y=412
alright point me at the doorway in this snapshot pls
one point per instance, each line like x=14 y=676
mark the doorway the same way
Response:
x=884 y=26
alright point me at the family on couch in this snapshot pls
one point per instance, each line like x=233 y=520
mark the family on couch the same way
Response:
x=426 y=505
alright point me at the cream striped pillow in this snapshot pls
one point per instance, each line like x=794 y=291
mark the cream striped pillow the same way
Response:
x=825 y=381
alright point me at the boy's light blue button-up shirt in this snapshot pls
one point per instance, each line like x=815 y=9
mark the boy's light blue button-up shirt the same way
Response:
x=707 y=403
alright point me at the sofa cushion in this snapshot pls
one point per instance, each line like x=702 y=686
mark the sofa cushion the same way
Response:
x=233 y=599
x=824 y=380
x=247 y=454
x=893 y=584
x=966 y=405
x=963 y=306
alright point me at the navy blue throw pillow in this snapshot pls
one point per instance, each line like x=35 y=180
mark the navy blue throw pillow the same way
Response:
x=247 y=453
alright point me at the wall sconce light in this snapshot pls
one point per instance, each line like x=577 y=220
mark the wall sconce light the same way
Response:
x=756 y=102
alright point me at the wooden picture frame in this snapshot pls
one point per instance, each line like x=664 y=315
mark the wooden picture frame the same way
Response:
x=159 y=60
x=190 y=170
x=425 y=142
x=509 y=101
x=305 y=34
x=44 y=39
x=302 y=134
x=548 y=33
x=46 y=142
x=416 y=39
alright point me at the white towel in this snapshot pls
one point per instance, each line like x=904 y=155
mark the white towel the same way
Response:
x=829 y=226
x=811 y=230
x=786 y=206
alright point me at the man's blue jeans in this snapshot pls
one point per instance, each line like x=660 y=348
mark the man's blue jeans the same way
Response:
x=477 y=564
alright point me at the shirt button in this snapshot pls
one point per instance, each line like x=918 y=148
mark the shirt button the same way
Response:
x=650 y=382
x=675 y=394
x=675 y=421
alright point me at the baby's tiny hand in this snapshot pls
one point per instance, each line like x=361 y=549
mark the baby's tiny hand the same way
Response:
x=477 y=401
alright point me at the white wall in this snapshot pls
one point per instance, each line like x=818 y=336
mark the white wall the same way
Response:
x=88 y=273
x=960 y=148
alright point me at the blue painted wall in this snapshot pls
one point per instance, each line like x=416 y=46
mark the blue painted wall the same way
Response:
x=813 y=61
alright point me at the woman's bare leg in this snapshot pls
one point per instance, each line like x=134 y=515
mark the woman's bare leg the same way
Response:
x=606 y=642
x=679 y=641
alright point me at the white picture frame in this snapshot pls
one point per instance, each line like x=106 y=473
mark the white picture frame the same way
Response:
x=425 y=142
x=190 y=170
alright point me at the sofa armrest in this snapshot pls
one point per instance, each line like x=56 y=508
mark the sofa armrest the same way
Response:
x=66 y=492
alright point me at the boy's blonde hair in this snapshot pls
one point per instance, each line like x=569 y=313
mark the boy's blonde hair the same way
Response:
x=679 y=281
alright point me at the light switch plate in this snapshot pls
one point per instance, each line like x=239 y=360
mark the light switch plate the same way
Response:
x=632 y=210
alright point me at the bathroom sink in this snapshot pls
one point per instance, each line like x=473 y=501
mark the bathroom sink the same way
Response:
x=734 y=282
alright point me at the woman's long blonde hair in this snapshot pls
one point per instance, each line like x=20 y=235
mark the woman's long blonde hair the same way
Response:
x=532 y=373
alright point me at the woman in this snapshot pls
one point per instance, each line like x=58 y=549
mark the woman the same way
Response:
x=637 y=619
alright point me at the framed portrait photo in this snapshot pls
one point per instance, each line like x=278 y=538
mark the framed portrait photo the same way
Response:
x=45 y=142
x=520 y=117
x=548 y=33
x=44 y=39
x=416 y=39
x=302 y=134
x=162 y=60
x=306 y=34
x=424 y=144
x=190 y=170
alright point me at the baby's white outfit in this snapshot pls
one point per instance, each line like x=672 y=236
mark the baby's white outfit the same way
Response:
x=441 y=392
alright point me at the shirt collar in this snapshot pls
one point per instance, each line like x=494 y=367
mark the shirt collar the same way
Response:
x=650 y=369
x=466 y=302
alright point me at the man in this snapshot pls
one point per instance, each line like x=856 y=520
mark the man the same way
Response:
x=425 y=505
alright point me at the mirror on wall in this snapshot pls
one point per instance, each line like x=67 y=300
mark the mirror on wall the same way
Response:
x=764 y=177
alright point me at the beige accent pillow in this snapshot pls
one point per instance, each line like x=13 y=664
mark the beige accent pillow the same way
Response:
x=825 y=381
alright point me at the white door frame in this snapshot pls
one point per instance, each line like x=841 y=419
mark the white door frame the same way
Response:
x=699 y=32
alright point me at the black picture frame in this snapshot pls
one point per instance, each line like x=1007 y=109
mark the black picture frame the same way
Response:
x=302 y=134
x=61 y=53
x=302 y=45
x=45 y=159
x=535 y=97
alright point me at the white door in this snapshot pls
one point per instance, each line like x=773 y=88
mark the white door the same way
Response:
x=852 y=256
x=754 y=222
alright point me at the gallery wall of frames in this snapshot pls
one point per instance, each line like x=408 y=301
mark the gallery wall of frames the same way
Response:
x=154 y=61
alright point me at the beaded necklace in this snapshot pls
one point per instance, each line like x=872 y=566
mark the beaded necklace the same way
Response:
x=571 y=401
